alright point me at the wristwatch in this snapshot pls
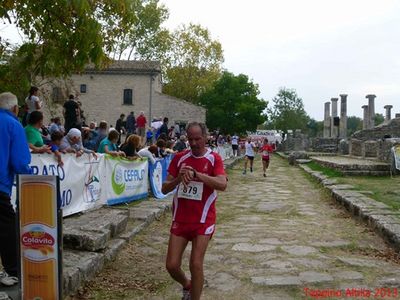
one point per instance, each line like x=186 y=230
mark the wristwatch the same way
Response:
x=194 y=173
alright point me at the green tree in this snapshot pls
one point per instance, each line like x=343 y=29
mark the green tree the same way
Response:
x=61 y=37
x=379 y=119
x=233 y=104
x=145 y=39
x=192 y=64
x=13 y=78
x=287 y=112
x=353 y=124
x=315 y=128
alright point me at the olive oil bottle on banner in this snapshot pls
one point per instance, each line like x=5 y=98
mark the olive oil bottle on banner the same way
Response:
x=38 y=240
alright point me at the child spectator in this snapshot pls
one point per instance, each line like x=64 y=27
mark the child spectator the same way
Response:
x=56 y=138
x=161 y=145
x=149 y=137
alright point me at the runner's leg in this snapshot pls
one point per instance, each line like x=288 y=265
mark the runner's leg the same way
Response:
x=176 y=247
x=199 y=247
x=264 y=165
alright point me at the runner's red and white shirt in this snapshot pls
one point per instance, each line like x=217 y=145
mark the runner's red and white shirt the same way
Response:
x=266 y=150
x=196 y=202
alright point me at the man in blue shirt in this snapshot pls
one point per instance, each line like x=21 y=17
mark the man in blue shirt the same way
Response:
x=14 y=159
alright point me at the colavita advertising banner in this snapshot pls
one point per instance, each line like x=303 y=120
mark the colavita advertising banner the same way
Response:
x=38 y=208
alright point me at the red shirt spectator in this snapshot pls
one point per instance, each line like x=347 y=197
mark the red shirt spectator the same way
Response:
x=141 y=121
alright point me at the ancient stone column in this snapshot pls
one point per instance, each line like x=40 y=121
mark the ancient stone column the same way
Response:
x=365 y=116
x=327 y=120
x=343 y=116
x=334 y=129
x=371 y=110
x=388 y=114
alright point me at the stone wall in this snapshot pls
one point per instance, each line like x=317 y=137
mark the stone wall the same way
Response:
x=304 y=143
x=177 y=110
x=355 y=147
x=375 y=142
x=379 y=149
x=295 y=143
x=391 y=128
x=384 y=148
x=327 y=145
x=369 y=149
x=103 y=99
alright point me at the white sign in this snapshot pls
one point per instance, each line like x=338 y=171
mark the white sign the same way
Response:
x=396 y=155
x=126 y=180
x=88 y=183
x=272 y=135
x=80 y=179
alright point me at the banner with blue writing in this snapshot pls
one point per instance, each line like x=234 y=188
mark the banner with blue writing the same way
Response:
x=158 y=174
x=126 y=180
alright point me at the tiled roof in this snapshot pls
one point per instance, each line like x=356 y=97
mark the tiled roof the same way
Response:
x=127 y=67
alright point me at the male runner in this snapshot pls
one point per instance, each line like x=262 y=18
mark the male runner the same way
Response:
x=197 y=173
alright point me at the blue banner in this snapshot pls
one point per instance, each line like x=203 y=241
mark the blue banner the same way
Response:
x=158 y=174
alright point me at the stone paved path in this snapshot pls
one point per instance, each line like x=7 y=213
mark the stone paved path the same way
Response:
x=275 y=237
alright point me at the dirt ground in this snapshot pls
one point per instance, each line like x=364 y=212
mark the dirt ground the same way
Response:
x=279 y=237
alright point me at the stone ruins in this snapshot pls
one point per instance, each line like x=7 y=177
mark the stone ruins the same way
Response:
x=371 y=142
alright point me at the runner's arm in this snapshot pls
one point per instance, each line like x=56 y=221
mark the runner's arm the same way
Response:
x=170 y=184
x=218 y=182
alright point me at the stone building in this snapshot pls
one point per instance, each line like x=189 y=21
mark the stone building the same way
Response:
x=122 y=87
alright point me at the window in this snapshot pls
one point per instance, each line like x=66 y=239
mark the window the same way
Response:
x=57 y=94
x=83 y=88
x=128 y=96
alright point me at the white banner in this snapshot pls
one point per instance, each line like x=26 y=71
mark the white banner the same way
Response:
x=88 y=183
x=272 y=135
x=396 y=155
x=126 y=180
x=80 y=179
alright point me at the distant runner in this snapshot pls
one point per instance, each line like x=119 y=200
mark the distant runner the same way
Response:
x=198 y=174
x=235 y=145
x=265 y=151
x=249 y=154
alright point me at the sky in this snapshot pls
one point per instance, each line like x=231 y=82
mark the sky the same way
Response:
x=320 y=48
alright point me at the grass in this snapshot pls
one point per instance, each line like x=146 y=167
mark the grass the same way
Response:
x=384 y=189
x=324 y=170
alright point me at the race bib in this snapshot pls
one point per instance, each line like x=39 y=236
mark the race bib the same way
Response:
x=193 y=191
x=265 y=153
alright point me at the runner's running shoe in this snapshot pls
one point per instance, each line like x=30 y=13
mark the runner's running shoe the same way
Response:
x=186 y=294
x=7 y=280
